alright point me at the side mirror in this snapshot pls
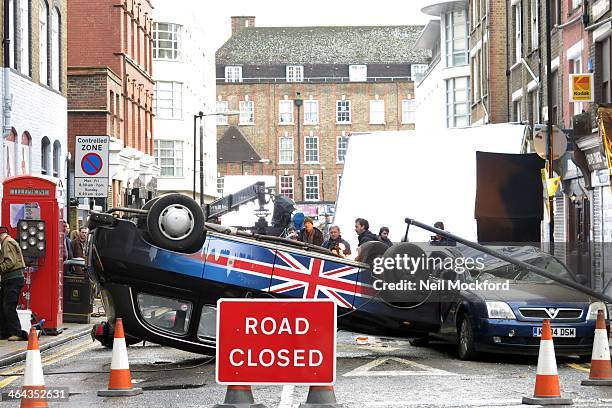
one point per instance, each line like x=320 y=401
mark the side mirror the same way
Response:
x=75 y=262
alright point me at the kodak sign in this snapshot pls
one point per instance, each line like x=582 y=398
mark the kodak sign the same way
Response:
x=581 y=87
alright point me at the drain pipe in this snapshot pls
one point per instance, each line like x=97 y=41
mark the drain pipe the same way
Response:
x=6 y=94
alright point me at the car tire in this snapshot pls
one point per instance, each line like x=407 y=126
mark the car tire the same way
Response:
x=176 y=222
x=465 y=338
x=419 y=341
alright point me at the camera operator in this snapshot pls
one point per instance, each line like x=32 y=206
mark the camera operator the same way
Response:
x=439 y=240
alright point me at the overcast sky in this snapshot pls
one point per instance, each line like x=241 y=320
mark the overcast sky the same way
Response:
x=273 y=13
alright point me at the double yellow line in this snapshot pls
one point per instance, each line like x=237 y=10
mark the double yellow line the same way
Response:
x=48 y=359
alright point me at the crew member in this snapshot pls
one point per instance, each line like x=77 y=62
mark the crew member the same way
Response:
x=362 y=228
x=12 y=267
x=79 y=246
x=383 y=236
x=68 y=252
x=336 y=244
x=440 y=240
x=310 y=234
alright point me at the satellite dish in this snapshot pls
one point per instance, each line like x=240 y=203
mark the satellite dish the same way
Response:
x=559 y=142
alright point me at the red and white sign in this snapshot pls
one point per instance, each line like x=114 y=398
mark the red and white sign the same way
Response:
x=273 y=341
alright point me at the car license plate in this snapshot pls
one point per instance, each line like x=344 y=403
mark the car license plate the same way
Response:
x=556 y=332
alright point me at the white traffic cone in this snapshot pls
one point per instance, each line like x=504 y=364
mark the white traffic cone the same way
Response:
x=601 y=367
x=33 y=379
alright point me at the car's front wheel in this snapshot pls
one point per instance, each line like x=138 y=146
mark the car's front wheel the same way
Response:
x=465 y=339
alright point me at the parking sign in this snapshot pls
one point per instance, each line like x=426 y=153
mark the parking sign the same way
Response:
x=91 y=166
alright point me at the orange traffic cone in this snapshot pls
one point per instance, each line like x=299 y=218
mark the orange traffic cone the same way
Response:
x=321 y=396
x=33 y=380
x=239 y=396
x=547 y=390
x=120 y=383
x=601 y=367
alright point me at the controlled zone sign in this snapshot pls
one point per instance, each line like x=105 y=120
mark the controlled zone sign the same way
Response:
x=581 y=88
x=91 y=166
x=273 y=341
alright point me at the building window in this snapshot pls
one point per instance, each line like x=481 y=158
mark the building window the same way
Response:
x=43 y=42
x=295 y=73
x=518 y=32
x=222 y=107
x=476 y=69
x=167 y=41
x=24 y=36
x=457 y=102
x=358 y=73
x=456 y=38
x=576 y=68
x=11 y=21
x=555 y=97
x=56 y=46
x=247 y=116
x=45 y=155
x=57 y=157
x=535 y=34
x=311 y=112
x=417 y=71
x=26 y=153
x=343 y=111
x=377 y=112
x=534 y=99
x=576 y=4
x=311 y=149
x=285 y=112
x=285 y=150
x=286 y=186
x=408 y=111
x=342 y=145
x=220 y=185
x=311 y=187
x=233 y=74
x=606 y=94
x=169 y=157
x=517 y=111
x=168 y=100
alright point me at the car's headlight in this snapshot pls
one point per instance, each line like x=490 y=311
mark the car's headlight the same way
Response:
x=594 y=307
x=499 y=310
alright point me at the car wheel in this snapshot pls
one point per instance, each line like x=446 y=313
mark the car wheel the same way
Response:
x=419 y=341
x=465 y=339
x=176 y=222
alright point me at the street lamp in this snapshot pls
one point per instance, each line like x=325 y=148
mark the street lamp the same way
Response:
x=201 y=115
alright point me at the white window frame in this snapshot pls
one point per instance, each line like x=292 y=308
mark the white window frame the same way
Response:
x=11 y=11
x=233 y=73
x=221 y=107
x=417 y=71
x=311 y=150
x=452 y=104
x=455 y=31
x=286 y=186
x=307 y=181
x=247 y=113
x=311 y=112
x=45 y=156
x=220 y=185
x=518 y=32
x=24 y=41
x=286 y=149
x=535 y=25
x=534 y=99
x=172 y=35
x=377 y=115
x=346 y=120
x=56 y=61
x=175 y=91
x=408 y=111
x=57 y=158
x=43 y=42
x=358 y=73
x=285 y=112
x=341 y=148
x=177 y=158
x=295 y=73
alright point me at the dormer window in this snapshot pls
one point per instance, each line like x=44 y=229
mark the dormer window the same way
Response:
x=358 y=73
x=233 y=74
x=295 y=73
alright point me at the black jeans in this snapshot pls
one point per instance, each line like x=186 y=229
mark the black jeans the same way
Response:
x=9 y=296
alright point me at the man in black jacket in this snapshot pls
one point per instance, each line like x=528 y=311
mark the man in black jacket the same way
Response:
x=336 y=244
x=362 y=228
x=383 y=236
x=310 y=234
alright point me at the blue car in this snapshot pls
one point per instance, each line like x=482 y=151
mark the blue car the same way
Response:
x=509 y=321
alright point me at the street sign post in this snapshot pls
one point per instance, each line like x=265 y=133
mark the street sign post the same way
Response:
x=272 y=341
x=91 y=166
x=581 y=88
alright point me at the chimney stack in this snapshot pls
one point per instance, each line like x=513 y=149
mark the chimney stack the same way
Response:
x=240 y=22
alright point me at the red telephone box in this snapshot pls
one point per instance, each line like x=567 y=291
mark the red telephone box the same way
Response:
x=32 y=209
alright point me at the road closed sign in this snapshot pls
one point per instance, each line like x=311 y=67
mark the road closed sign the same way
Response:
x=91 y=166
x=271 y=341
x=581 y=88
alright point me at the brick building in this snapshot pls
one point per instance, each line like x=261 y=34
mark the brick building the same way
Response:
x=302 y=91
x=110 y=89
x=34 y=89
